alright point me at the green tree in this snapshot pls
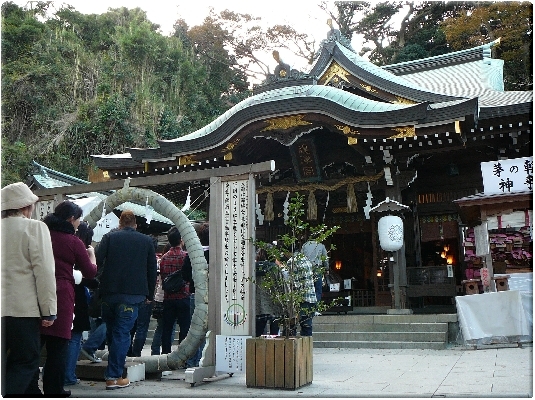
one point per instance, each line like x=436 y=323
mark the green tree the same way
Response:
x=16 y=162
x=429 y=28
x=416 y=34
x=512 y=22
x=74 y=85
x=284 y=282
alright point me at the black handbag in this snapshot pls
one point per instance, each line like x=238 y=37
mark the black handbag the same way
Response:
x=173 y=283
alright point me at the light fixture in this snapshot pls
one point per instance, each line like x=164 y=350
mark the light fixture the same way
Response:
x=450 y=259
x=443 y=254
x=446 y=248
x=338 y=265
x=379 y=273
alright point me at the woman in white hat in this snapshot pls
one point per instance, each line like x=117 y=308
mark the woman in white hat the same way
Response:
x=28 y=288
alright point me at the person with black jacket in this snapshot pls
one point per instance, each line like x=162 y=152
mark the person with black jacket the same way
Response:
x=127 y=266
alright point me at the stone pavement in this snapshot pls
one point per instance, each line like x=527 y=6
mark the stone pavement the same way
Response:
x=454 y=372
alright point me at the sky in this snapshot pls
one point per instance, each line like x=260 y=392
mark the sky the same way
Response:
x=303 y=15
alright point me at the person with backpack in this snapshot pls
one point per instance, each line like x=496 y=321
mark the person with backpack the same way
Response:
x=176 y=303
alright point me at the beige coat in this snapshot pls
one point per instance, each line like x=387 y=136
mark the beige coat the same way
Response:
x=28 y=277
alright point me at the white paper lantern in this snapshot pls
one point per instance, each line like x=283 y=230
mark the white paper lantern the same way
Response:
x=390 y=230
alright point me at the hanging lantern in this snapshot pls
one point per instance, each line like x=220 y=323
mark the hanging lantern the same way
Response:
x=390 y=230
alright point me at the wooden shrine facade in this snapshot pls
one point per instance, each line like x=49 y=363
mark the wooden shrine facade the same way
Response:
x=347 y=135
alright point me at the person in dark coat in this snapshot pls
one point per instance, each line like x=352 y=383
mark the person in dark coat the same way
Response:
x=68 y=250
x=127 y=268
x=81 y=310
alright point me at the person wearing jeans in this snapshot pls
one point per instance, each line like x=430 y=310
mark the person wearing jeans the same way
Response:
x=73 y=351
x=141 y=327
x=127 y=262
x=119 y=315
x=93 y=342
x=194 y=360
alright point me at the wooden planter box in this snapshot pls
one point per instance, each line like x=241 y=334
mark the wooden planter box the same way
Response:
x=278 y=362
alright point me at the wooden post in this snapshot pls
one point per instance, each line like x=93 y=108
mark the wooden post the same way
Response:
x=250 y=362
x=270 y=363
x=279 y=363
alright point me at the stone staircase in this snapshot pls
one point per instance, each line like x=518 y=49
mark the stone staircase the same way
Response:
x=414 y=331
x=373 y=331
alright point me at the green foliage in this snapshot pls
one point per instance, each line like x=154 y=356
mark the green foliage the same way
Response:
x=16 y=161
x=74 y=84
x=284 y=279
x=512 y=22
x=432 y=28
x=195 y=215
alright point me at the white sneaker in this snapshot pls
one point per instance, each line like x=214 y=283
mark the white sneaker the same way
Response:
x=90 y=357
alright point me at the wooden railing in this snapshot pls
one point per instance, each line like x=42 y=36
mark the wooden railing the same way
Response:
x=363 y=298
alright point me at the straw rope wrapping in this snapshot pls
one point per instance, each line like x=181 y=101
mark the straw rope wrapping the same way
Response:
x=199 y=320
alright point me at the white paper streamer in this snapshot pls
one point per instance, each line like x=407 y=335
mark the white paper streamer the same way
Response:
x=148 y=211
x=285 y=207
x=259 y=214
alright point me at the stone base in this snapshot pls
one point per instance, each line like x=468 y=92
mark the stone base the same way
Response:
x=401 y=311
x=87 y=370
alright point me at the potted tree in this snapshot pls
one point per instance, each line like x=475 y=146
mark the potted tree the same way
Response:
x=286 y=361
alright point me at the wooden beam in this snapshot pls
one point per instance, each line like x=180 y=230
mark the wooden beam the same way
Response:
x=156 y=180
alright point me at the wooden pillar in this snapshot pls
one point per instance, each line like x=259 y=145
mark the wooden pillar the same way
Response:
x=375 y=255
x=398 y=279
x=487 y=258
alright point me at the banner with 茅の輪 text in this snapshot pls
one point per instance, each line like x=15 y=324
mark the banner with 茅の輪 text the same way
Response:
x=507 y=176
x=236 y=257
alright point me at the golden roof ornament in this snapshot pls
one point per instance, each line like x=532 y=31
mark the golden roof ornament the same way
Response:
x=407 y=131
x=290 y=121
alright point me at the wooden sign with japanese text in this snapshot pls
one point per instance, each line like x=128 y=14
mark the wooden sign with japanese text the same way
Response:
x=507 y=176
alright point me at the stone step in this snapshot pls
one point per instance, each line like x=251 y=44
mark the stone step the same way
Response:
x=85 y=369
x=381 y=336
x=372 y=344
x=379 y=327
x=385 y=319
x=384 y=331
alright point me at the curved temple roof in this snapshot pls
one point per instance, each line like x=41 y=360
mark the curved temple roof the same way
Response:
x=437 y=90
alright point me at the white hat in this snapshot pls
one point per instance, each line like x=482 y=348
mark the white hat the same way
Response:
x=17 y=195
